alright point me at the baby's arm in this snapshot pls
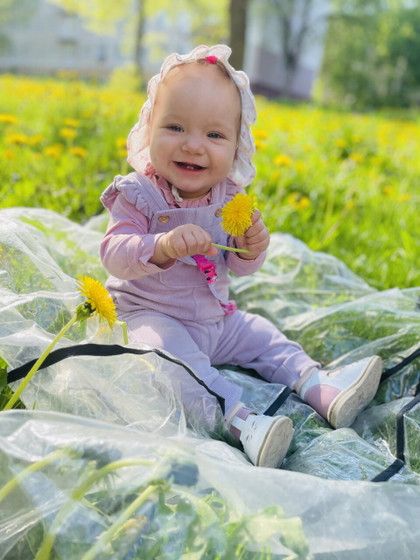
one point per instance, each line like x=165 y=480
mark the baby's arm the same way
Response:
x=128 y=251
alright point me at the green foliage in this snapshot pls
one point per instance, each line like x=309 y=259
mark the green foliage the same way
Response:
x=372 y=55
x=5 y=391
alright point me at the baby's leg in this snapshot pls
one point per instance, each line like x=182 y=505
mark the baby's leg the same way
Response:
x=337 y=395
x=253 y=342
x=169 y=334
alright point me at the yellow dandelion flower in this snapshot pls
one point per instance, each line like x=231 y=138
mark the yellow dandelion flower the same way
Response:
x=283 y=159
x=388 y=190
x=9 y=154
x=357 y=157
x=260 y=134
x=121 y=143
x=237 y=214
x=54 y=151
x=303 y=203
x=340 y=143
x=18 y=139
x=298 y=201
x=78 y=151
x=8 y=119
x=67 y=132
x=259 y=145
x=404 y=197
x=98 y=300
x=71 y=122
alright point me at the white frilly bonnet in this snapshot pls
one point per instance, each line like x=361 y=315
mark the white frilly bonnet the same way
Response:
x=243 y=170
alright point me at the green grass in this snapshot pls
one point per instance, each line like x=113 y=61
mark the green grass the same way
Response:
x=346 y=184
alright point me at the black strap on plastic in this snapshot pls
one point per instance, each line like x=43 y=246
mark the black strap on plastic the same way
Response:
x=390 y=371
x=400 y=461
x=278 y=401
x=91 y=349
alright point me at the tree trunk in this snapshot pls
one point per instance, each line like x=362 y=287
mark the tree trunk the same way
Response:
x=237 y=19
x=138 y=43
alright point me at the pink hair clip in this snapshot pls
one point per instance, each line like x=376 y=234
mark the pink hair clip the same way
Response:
x=211 y=59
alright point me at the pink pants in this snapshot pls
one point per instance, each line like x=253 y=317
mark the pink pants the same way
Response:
x=241 y=339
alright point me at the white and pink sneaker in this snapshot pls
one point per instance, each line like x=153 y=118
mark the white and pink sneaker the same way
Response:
x=265 y=439
x=339 y=395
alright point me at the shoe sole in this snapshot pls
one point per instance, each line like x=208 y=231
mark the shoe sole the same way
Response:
x=347 y=405
x=276 y=443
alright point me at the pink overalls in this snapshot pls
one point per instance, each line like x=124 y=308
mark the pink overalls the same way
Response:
x=176 y=310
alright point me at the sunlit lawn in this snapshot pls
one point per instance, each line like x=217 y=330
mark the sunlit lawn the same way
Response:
x=347 y=184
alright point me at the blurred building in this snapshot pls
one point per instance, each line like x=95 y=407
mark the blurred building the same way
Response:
x=284 y=46
x=48 y=40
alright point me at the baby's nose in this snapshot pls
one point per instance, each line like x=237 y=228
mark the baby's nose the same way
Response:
x=193 y=143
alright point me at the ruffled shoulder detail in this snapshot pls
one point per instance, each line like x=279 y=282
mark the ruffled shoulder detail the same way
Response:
x=231 y=189
x=137 y=189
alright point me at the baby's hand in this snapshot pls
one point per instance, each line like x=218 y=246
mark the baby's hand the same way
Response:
x=186 y=240
x=256 y=238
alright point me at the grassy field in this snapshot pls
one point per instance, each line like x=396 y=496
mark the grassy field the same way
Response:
x=347 y=184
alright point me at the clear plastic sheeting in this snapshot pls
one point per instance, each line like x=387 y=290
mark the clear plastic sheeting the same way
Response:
x=103 y=462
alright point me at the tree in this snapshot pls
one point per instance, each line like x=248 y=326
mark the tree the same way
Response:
x=238 y=13
x=372 y=55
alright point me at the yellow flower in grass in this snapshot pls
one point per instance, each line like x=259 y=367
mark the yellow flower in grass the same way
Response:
x=71 y=122
x=121 y=143
x=298 y=201
x=18 y=139
x=97 y=301
x=9 y=154
x=388 y=190
x=237 y=214
x=8 y=119
x=78 y=151
x=260 y=134
x=54 y=151
x=357 y=157
x=283 y=160
x=68 y=133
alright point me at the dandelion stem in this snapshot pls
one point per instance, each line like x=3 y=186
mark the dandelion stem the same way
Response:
x=123 y=326
x=230 y=248
x=16 y=480
x=13 y=399
x=108 y=535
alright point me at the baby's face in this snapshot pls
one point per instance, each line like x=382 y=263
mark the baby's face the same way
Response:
x=194 y=128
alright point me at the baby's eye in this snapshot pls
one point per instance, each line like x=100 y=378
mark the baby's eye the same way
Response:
x=214 y=135
x=175 y=127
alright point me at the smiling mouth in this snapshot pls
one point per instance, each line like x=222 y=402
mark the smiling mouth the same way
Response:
x=189 y=166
